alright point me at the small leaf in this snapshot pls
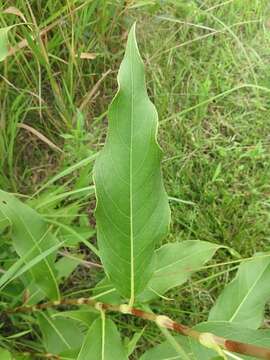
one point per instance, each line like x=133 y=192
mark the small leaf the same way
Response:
x=132 y=206
x=166 y=351
x=243 y=300
x=4 y=42
x=229 y=331
x=102 y=342
x=59 y=335
x=31 y=238
x=175 y=263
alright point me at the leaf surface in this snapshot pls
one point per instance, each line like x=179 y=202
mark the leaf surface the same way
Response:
x=243 y=300
x=175 y=263
x=86 y=315
x=59 y=334
x=31 y=239
x=5 y=354
x=132 y=206
x=165 y=350
x=102 y=342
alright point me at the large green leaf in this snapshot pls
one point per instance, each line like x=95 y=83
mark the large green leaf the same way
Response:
x=175 y=263
x=31 y=238
x=229 y=331
x=59 y=334
x=132 y=206
x=243 y=300
x=102 y=342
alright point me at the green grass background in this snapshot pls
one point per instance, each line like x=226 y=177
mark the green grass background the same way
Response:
x=208 y=69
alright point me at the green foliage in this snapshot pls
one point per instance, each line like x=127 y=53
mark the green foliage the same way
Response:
x=216 y=170
x=85 y=315
x=165 y=350
x=175 y=263
x=243 y=301
x=196 y=351
x=132 y=207
x=26 y=224
x=102 y=342
x=59 y=335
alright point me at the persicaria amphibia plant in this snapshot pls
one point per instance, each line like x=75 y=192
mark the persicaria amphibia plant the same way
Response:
x=133 y=218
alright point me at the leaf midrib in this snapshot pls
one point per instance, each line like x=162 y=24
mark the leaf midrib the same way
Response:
x=132 y=280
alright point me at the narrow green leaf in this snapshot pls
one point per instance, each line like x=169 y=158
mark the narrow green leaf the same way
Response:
x=86 y=191
x=243 y=300
x=175 y=263
x=132 y=343
x=70 y=240
x=175 y=344
x=17 y=270
x=75 y=234
x=4 y=42
x=166 y=351
x=132 y=206
x=31 y=238
x=67 y=172
x=229 y=331
x=58 y=334
x=102 y=342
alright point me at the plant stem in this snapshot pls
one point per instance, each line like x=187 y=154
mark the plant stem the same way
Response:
x=161 y=320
